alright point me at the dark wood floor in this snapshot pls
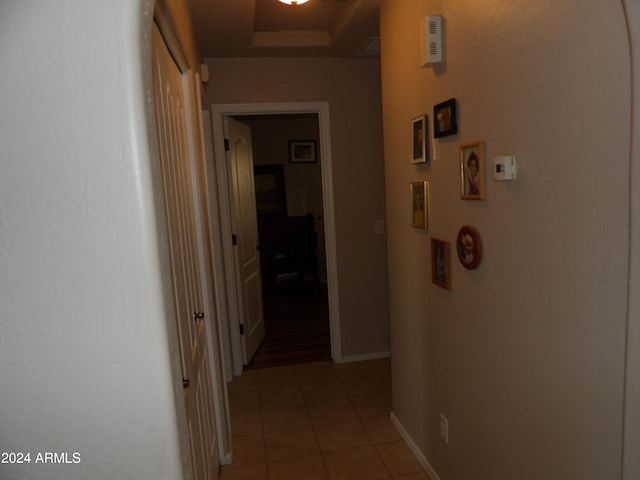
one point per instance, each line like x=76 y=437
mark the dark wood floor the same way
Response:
x=297 y=327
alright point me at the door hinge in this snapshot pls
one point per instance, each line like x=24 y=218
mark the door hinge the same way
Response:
x=241 y=329
x=234 y=239
x=226 y=145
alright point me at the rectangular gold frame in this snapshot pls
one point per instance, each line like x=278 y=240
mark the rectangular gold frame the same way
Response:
x=420 y=205
x=472 y=186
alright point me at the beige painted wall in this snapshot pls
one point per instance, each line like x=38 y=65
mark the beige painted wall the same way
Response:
x=525 y=355
x=94 y=366
x=352 y=89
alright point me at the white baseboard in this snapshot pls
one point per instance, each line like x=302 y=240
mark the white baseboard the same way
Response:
x=414 y=448
x=364 y=357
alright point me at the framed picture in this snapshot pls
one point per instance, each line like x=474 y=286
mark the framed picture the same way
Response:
x=472 y=171
x=270 y=191
x=302 y=151
x=444 y=119
x=441 y=263
x=419 y=139
x=469 y=247
x=420 y=205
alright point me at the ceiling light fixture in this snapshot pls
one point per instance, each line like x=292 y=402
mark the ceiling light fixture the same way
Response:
x=294 y=2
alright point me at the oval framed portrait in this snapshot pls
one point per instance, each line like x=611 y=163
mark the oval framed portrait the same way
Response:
x=469 y=247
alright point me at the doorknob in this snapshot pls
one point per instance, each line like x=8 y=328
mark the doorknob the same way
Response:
x=198 y=316
x=185 y=382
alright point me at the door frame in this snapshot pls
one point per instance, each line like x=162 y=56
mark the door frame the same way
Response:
x=233 y=353
x=631 y=416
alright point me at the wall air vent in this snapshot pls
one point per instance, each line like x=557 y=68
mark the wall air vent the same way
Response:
x=431 y=40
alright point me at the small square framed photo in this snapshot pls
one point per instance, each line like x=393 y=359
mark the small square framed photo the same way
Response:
x=472 y=171
x=441 y=263
x=420 y=205
x=419 y=139
x=302 y=151
x=445 y=121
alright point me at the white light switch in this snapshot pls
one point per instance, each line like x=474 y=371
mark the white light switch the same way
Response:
x=379 y=226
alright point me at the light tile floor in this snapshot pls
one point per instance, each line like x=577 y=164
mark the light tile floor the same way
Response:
x=317 y=421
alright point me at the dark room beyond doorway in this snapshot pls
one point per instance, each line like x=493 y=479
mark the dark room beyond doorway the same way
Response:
x=289 y=202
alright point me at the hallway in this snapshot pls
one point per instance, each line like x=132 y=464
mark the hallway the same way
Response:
x=317 y=421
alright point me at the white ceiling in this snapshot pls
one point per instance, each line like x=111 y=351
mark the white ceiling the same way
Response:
x=258 y=28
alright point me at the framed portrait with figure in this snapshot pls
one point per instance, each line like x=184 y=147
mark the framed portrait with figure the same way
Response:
x=469 y=247
x=445 y=121
x=472 y=171
x=441 y=263
x=419 y=139
x=420 y=205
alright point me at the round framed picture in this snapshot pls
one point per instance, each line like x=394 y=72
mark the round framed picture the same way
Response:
x=469 y=247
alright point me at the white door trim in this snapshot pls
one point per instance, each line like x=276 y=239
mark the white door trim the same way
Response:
x=631 y=418
x=218 y=112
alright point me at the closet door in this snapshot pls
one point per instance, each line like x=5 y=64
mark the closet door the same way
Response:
x=187 y=289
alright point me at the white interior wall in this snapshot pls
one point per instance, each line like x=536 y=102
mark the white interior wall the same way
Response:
x=84 y=342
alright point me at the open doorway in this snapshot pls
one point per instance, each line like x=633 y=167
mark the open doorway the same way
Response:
x=290 y=218
x=326 y=271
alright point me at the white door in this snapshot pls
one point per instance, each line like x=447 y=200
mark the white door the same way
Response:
x=245 y=228
x=180 y=212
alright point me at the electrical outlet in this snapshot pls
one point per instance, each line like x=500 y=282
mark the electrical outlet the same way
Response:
x=444 y=429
